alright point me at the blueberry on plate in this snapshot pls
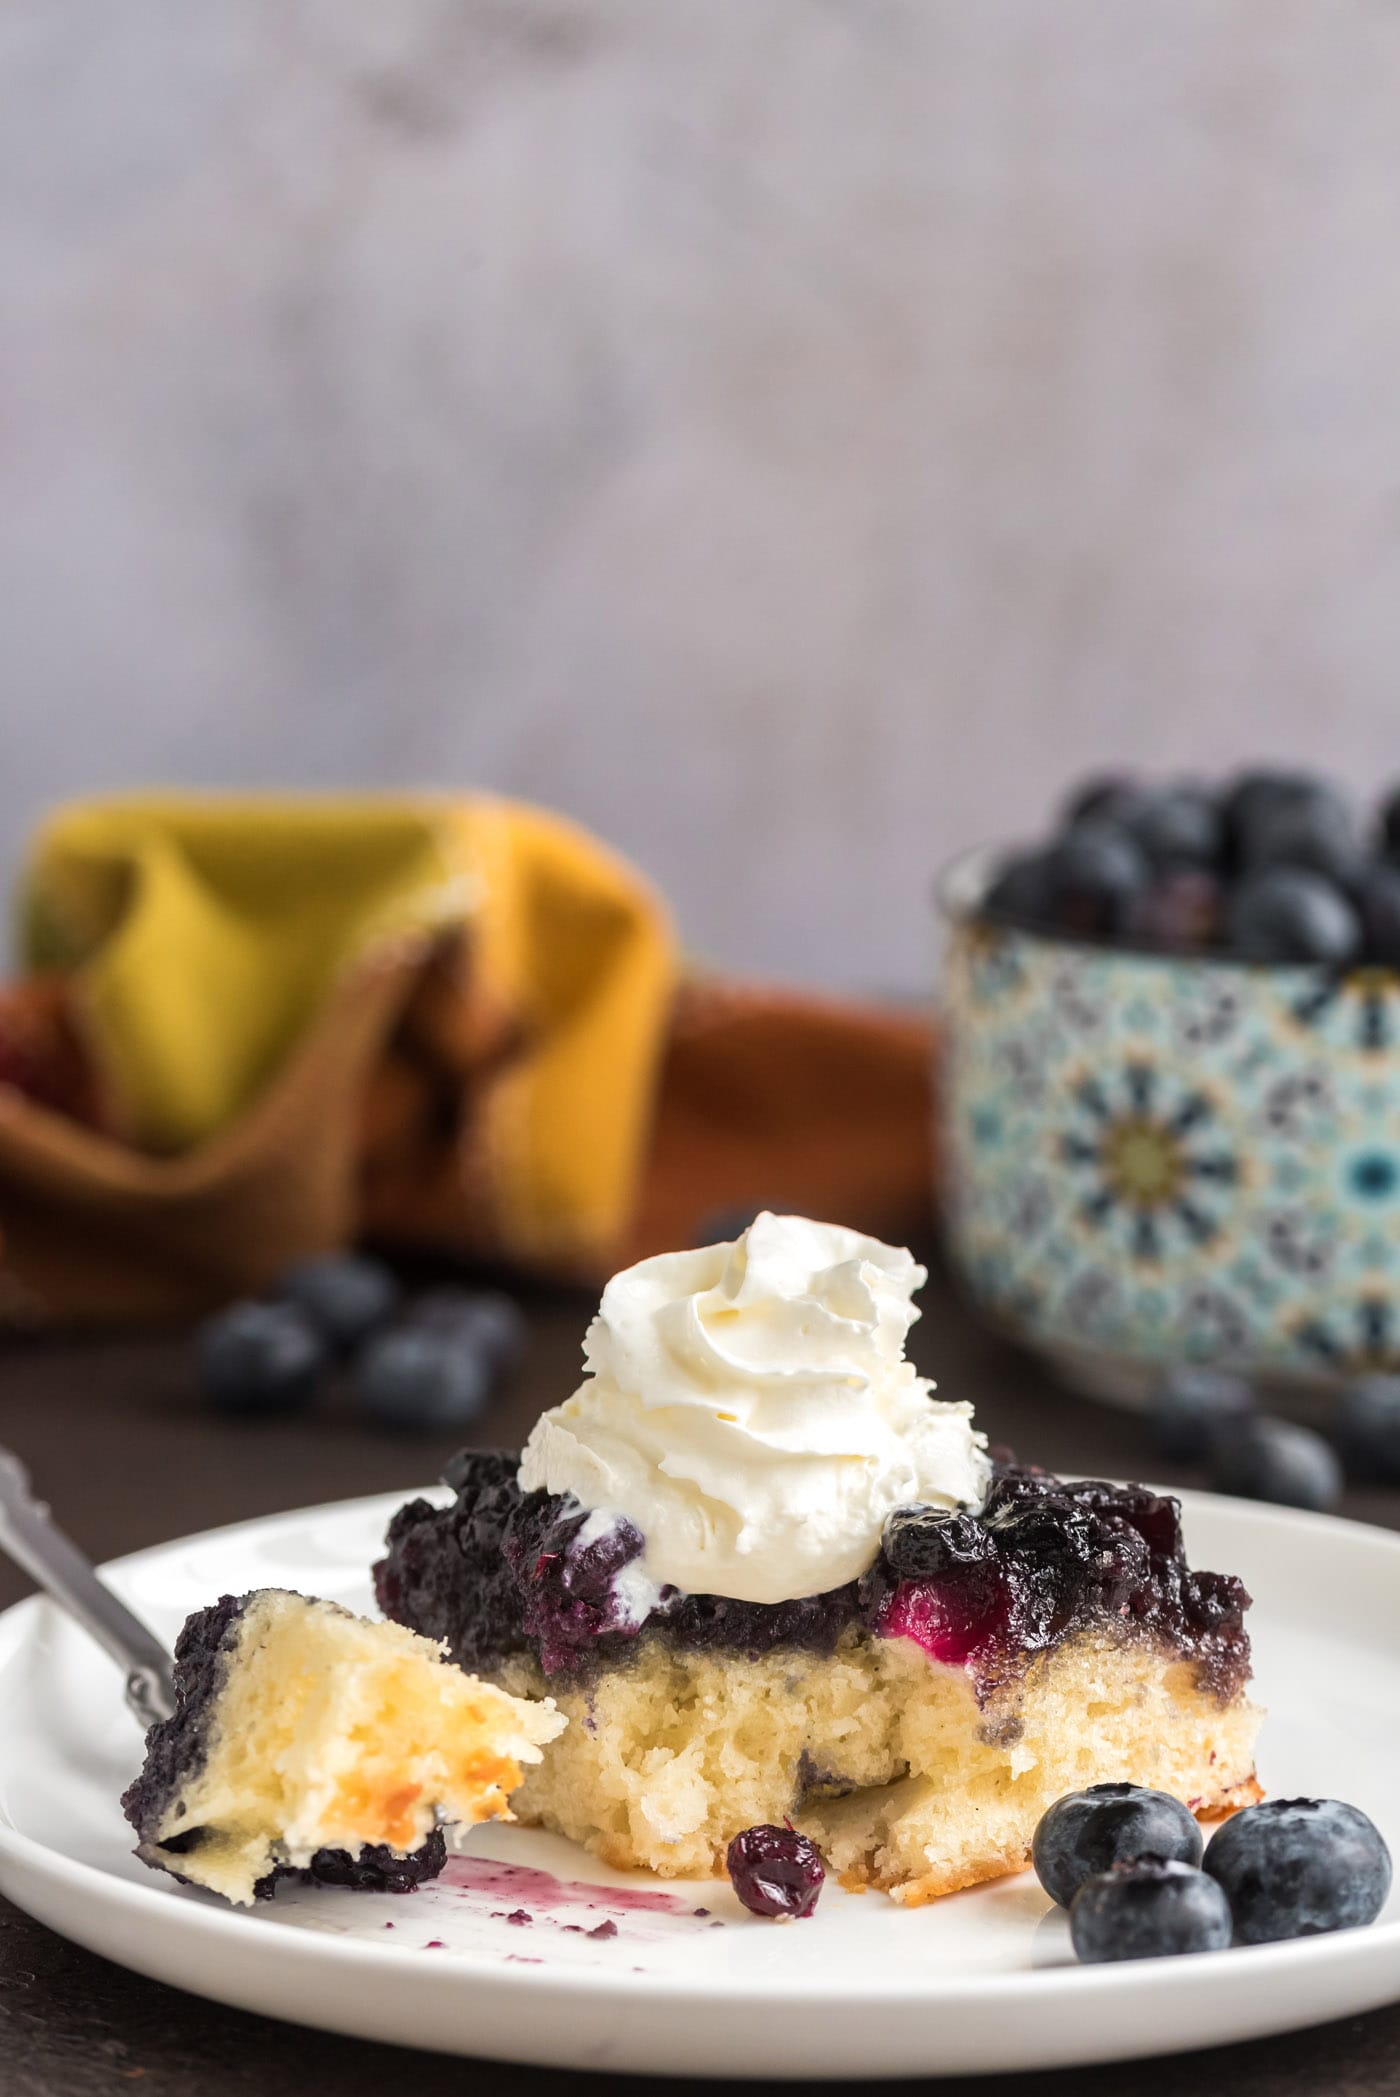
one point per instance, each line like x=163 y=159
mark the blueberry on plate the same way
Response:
x=1285 y=914
x=1088 y=1832
x=1264 y=1459
x=413 y=1378
x=1152 y=1908
x=1191 y=1407
x=260 y=1358
x=345 y=1295
x=1094 y=876
x=775 y=1872
x=486 y=1319
x=1296 y=1867
x=1368 y=1429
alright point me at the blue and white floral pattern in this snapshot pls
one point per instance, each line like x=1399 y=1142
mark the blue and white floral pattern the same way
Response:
x=1154 y=1157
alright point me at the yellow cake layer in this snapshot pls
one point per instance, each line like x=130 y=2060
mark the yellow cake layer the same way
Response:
x=671 y=1755
x=330 y=1732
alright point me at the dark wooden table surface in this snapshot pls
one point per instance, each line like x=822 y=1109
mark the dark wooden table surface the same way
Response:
x=116 y=1436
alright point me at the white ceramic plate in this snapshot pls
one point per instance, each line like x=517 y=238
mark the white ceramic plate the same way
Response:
x=981 y=1982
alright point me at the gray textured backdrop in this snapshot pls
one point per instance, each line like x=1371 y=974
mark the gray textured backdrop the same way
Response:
x=793 y=435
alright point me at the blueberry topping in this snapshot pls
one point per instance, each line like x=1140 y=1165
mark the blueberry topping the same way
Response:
x=420 y=1379
x=1296 y=1867
x=775 y=1871
x=261 y=1358
x=1191 y=1407
x=1368 y=1429
x=1263 y=1459
x=920 y=1542
x=1088 y=1832
x=1286 y=914
x=485 y=1319
x=1152 y=1908
x=345 y=1296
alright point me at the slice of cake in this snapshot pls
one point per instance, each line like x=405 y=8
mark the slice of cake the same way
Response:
x=307 y=1741
x=770 y=1576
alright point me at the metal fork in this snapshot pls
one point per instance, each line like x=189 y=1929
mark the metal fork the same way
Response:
x=33 y=1539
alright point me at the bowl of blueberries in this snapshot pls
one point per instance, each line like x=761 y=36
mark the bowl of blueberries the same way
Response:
x=1170 y=1087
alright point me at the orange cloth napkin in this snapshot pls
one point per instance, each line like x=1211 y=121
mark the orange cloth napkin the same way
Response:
x=256 y=1029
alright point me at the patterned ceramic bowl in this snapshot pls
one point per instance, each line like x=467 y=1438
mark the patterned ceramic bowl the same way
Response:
x=1149 y=1159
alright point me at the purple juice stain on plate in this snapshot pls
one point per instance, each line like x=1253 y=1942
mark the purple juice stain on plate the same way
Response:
x=545 y=1892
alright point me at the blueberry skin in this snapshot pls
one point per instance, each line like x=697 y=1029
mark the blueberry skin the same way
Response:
x=1020 y=893
x=1317 y=835
x=427 y=1380
x=1155 y=1908
x=1191 y=1407
x=775 y=1872
x=1285 y=914
x=1179 y=826
x=260 y=1358
x=920 y=1542
x=1094 y=876
x=345 y=1295
x=1111 y=794
x=1298 y=1867
x=485 y=1319
x=1256 y=798
x=1368 y=1429
x=1264 y=1459
x=1087 y=1832
x=1378 y=899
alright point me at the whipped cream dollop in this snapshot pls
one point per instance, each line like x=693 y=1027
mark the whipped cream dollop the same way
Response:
x=749 y=1408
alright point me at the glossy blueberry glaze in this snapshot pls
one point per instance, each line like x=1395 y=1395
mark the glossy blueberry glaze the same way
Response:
x=500 y=1573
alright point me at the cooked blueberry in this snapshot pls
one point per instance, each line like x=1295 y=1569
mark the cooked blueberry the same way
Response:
x=1378 y=899
x=1088 y=1832
x=1181 y=909
x=775 y=1871
x=1190 y=1407
x=421 y=1379
x=261 y=1358
x=1020 y=892
x=1297 y=1867
x=1094 y=876
x=1177 y=826
x=1286 y=914
x=1154 y=1908
x=1264 y=1459
x=345 y=1295
x=919 y=1542
x=1317 y=835
x=1368 y=1428
x=487 y=1319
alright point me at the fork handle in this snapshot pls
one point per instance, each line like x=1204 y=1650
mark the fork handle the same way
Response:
x=33 y=1539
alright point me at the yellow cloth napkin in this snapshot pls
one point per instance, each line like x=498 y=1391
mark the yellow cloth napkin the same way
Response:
x=204 y=936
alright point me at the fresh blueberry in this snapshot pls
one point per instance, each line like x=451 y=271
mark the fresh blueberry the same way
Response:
x=1378 y=898
x=1111 y=794
x=1257 y=798
x=1088 y=1832
x=345 y=1295
x=1094 y=876
x=484 y=1319
x=1296 y=1867
x=1286 y=914
x=775 y=1871
x=1264 y=1459
x=261 y=1358
x=1178 y=826
x=1154 y=1908
x=1020 y=893
x=1390 y=823
x=413 y=1378
x=1190 y=1407
x=1318 y=836
x=921 y=1542
x=1368 y=1428
x=1181 y=909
